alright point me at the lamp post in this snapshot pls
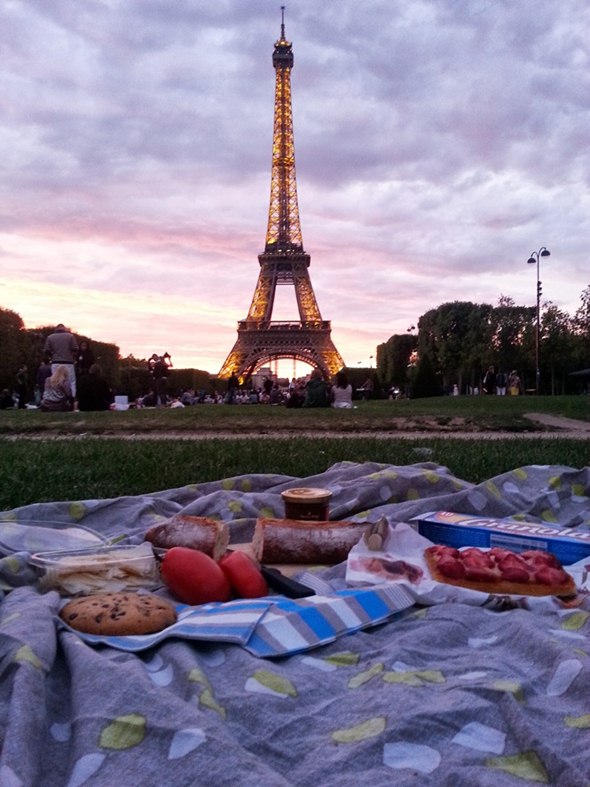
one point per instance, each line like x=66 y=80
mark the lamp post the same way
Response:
x=532 y=260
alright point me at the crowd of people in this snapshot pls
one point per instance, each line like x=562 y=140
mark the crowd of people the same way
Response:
x=68 y=378
x=314 y=391
x=500 y=383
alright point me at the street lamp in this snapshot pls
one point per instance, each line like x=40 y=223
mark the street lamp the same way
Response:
x=535 y=258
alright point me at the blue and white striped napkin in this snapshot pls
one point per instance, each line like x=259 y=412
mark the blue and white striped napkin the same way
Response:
x=274 y=625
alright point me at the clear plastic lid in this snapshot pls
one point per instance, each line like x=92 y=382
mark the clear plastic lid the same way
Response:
x=41 y=536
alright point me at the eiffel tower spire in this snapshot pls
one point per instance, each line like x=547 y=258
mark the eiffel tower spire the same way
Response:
x=284 y=230
x=283 y=261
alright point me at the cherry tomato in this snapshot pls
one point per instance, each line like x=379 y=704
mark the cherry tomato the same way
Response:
x=243 y=575
x=194 y=577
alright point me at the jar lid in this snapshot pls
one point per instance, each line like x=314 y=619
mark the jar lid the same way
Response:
x=306 y=495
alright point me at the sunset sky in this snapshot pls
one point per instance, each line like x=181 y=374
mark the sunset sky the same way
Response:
x=438 y=143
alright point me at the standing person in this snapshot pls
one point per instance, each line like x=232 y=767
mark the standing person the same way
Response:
x=514 y=383
x=22 y=381
x=342 y=392
x=501 y=384
x=62 y=347
x=233 y=385
x=367 y=388
x=58 y=396
x=159 y=366
x=84 y=359
x=43 y=372
x=489 y=381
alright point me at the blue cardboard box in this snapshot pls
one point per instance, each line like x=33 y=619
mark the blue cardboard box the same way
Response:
x=460 y=530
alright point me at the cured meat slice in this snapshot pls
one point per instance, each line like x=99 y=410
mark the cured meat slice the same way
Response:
x=500 y=571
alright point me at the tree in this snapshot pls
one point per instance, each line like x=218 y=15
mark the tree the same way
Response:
x=455 y=337
x=13 y=341
x=513 y=337
x=393 y=357
x=581 y=323
x=556 y=349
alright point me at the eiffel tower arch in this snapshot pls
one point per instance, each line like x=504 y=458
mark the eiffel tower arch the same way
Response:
x=283 y=261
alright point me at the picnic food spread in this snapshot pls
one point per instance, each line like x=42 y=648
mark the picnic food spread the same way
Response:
x=118 y=613
x=403 y=681
x=500 y=571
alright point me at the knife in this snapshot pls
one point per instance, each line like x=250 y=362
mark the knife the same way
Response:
x=285 y=585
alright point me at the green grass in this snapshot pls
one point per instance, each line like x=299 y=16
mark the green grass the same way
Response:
x=498 y=413
x=75 y=466
x=34 y=471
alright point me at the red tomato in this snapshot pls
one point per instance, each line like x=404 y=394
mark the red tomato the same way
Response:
x=243 y=575
x=194 y=577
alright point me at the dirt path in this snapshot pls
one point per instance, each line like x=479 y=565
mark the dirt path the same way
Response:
x=553 y=427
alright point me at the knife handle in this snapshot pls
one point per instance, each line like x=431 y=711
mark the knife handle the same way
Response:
x=285 y=585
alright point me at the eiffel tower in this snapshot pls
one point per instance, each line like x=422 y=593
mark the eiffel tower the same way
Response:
x=283 y=261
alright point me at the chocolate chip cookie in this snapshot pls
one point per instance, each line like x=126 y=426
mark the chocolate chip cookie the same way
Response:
x=118 y=614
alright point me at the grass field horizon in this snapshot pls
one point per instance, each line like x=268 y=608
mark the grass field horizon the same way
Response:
x=82 y=456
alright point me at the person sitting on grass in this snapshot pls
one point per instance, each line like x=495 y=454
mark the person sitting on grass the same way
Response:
x=316 y=390
x=342 y=392
x=57 y=395
x=94 y=392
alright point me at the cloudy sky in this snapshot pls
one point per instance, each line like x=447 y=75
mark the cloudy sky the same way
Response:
x=438 y=143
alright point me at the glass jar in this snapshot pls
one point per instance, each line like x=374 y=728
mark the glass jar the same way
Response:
x=307 y=503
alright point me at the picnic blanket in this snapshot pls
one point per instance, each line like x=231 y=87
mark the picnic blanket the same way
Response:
x=447 y=694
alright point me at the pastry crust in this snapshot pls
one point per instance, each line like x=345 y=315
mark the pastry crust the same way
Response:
x=546 y=577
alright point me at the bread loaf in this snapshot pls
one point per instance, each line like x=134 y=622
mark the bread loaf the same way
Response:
x=195 y=532
x=298 y=541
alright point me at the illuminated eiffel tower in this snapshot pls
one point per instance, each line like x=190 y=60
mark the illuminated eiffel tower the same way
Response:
x=284 y=261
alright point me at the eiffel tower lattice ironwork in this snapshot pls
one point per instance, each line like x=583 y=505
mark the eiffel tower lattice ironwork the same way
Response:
x=284 y=261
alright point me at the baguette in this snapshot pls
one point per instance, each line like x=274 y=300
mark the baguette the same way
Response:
x=304 y=542
x=210 y=536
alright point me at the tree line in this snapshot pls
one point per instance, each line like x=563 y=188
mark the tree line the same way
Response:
x=456 y=342
x=129 y=375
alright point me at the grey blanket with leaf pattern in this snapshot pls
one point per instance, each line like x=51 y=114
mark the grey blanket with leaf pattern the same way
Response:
x=450 y=694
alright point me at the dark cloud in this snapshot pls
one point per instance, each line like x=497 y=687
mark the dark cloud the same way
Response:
x=437 y=143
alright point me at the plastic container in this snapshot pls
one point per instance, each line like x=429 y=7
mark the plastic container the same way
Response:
x=82 y=572
x=307 y=503
x=33 y=536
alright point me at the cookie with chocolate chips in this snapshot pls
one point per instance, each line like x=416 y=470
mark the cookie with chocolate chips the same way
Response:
x=118 y=614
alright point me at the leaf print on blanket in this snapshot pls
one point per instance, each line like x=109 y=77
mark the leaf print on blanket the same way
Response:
x=525 y=766
x=124 y=732
x=266 y=682
x=578 y=722
x=25 y=653
x=360 y=732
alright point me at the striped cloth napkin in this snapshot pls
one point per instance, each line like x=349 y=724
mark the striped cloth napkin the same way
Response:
x=274 y=625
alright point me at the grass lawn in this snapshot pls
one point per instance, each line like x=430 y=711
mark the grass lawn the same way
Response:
x=67 y=461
